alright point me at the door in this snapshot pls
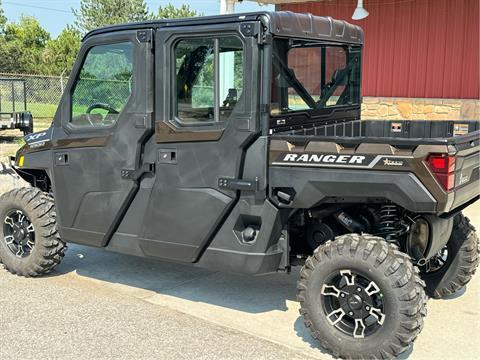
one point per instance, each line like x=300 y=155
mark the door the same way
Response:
x=105 y=117
x=207 y=117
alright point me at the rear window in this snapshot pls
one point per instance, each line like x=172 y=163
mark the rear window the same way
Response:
x=311 y=76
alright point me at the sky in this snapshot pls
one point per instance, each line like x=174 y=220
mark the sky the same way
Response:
x=55 y=14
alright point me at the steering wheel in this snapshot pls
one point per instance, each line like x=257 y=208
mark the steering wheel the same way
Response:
x=101 y=106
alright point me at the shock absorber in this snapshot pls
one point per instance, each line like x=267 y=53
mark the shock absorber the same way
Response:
x=390 y=226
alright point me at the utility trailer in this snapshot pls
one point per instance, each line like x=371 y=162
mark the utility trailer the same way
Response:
x=235 y=143
x=13 y=106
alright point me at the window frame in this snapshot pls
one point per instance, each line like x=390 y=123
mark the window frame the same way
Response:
x=77 y=78
x=215 y=123
x=67 y=109
x=349 y=51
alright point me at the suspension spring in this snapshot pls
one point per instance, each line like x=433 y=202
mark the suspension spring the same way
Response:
x=391 y=227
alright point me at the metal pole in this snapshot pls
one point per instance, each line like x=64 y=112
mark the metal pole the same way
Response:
x=24 y=96
x=13 y=96
x=216 y=86
x=61 y=80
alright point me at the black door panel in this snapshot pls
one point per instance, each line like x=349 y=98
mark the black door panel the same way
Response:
x=90 y=192
x=186 y=205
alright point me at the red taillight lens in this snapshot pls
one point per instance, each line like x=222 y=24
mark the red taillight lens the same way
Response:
x=442 y=163
x=443 y=167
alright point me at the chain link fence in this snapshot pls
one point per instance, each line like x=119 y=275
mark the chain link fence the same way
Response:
x=41 y=93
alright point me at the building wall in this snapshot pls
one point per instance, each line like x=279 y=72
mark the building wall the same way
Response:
x=414 y=48
x=420 y=109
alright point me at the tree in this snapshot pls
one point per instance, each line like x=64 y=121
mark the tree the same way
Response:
x=171 y=12
x=96 y=13
x=21 y=45
x=60 y=53
x=3 y=19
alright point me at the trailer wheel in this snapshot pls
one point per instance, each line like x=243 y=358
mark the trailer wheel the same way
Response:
x=29 y=241
x=361 y=297
x=454 y=265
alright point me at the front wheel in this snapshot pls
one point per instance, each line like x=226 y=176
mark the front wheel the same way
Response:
x=361 y=297
x=29 y=241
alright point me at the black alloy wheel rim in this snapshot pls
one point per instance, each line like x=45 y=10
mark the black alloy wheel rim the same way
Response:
x=353 y=304
x=18 y=233
x=437 y=262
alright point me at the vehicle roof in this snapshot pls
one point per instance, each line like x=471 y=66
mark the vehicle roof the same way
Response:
x=281 y=23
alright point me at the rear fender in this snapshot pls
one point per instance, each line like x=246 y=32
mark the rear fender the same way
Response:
x=312 y=187
x=440 y=231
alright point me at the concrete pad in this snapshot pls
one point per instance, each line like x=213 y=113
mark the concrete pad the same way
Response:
x=265 y=306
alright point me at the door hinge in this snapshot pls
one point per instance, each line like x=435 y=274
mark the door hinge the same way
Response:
x=148 y=168
x=146 y=36
x=250 y=29
x=238 y=184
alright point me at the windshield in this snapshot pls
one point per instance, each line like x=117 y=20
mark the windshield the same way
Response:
x=313 y=76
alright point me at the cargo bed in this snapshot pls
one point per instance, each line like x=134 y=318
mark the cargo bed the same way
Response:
x=366 y=158
x=393 y=132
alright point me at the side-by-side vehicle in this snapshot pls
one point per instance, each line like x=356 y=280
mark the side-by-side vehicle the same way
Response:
x=236 y=143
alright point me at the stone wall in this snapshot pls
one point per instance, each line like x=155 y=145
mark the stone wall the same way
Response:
x=420 y=109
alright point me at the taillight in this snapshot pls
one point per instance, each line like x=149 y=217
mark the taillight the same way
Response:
x=443 y=167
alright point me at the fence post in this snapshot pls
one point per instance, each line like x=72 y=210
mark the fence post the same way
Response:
x=61 y=80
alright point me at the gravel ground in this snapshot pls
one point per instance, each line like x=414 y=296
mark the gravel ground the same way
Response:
x=66 y=317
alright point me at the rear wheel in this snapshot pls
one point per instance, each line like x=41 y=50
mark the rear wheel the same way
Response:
x=361 y=297
x=29 y=241
x=454 y=265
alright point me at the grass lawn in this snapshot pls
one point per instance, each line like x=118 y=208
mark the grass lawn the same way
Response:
x=38 y=110
x=41 y=124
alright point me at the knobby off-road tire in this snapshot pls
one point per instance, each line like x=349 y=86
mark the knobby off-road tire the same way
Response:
x=462 y=258
x=398 y=288
x=29 y=214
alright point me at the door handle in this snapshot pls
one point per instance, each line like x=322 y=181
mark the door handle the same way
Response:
x=61 y=159
x=167 y=156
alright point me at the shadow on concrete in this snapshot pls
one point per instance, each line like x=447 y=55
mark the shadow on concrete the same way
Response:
x=251 y=294
x=304 y=334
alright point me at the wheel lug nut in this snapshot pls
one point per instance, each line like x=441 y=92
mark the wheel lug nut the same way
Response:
x=359 y=289
x=350 y=313
x=342 y=295
x=367 y=307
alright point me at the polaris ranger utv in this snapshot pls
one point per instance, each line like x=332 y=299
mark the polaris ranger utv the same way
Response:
x=235 y=143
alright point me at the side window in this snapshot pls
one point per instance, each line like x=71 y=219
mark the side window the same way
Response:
x=103 y=86
x=209 y=79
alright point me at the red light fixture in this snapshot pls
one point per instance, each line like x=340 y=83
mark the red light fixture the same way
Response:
x=443 y=168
